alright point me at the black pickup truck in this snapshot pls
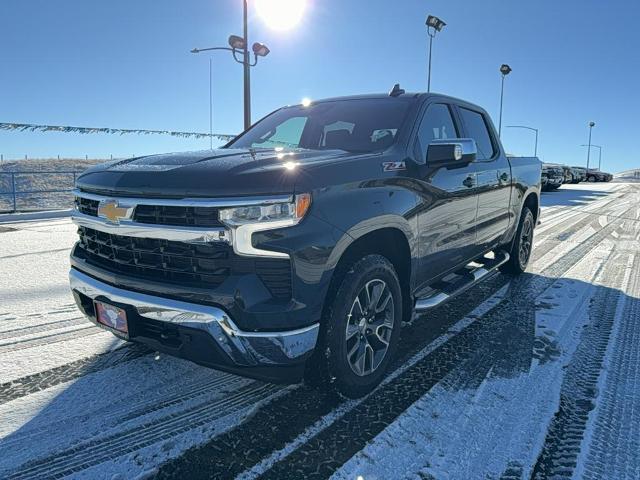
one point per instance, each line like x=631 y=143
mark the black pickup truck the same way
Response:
x=298 y=249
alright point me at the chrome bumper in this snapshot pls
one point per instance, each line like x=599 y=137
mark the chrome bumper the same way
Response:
x=243 y=348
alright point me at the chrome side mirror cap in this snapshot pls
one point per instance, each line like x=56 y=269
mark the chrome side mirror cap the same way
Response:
x=451 y=152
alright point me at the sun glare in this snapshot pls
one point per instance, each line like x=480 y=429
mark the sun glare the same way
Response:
x=281 y=14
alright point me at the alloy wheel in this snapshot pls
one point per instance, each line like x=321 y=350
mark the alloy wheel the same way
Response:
x=369 y=326
x=526 y=240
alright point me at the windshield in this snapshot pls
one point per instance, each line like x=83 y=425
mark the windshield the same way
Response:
x=357 y=125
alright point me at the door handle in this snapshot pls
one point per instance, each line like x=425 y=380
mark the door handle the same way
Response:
x=504 y=177
x=469 y=182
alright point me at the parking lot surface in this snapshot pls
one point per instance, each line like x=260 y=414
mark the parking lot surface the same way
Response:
x=530 y=377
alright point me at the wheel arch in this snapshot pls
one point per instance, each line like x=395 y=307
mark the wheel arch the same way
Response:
x=392 y=243
x=532 y=201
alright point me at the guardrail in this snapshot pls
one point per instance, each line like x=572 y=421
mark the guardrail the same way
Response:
x=47 y=198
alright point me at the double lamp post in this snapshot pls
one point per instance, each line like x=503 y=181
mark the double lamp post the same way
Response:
x=240 y=46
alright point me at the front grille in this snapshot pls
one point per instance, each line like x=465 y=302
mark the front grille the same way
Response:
x=162 y=215
x=86 y=206
x=182 y=216
x=189 y=265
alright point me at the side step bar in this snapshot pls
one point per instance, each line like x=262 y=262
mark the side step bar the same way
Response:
x=471 y=275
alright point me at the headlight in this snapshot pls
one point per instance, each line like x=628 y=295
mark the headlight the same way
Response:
x=245 y=221
x=278 y=212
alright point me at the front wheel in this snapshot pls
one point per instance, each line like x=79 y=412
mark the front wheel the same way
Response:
x=360 y=328
x=522 y=244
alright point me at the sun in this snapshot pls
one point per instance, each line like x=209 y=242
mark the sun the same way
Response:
x=281 y=14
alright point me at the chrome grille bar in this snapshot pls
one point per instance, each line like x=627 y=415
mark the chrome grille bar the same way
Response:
x=172 y=233
x=190 y=202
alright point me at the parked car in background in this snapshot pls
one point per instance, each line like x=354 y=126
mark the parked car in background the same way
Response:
x=579 y=174
x=594 y=175
x=544 y=179
x=552 y=176
x=568 y=174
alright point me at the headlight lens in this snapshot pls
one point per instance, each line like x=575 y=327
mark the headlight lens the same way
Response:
x=277 y=212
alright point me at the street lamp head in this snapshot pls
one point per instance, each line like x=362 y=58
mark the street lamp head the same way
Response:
x=592 y=124
x=505 y=69
x=236 y=42
x=435 y=23
x=195 y=50
x=260 y=49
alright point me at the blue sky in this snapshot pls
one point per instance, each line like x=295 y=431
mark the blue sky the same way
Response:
x=126 y=63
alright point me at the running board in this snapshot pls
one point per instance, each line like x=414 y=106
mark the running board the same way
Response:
x=467 y=278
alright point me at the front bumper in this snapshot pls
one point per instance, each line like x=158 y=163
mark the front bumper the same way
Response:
x=201 y=333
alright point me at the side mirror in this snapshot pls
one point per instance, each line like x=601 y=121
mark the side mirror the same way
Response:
x=451 y=153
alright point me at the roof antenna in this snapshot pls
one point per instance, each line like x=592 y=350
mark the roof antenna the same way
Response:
x=396 y=91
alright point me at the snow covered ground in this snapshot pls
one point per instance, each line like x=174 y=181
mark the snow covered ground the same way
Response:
x=529 y=377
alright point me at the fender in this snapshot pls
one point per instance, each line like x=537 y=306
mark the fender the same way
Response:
x=360 y=209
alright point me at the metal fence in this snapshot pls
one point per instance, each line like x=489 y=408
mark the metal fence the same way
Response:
x=22 y=191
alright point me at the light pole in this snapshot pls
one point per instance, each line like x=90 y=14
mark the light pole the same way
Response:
x=247 y=75
x=210 y=104
x=591 y=125
x=535 y=154
x=504 y=70
x=240 y=46
x=599 y=154
x=434 y=25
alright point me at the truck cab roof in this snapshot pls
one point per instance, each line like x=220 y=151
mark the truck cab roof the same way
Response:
x=406 y=95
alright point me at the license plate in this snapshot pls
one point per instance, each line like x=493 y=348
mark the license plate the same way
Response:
x=112 y=317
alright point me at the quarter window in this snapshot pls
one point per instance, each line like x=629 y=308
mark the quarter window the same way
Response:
x=477 y=129
x=437 y=124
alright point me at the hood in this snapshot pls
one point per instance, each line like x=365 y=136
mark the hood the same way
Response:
x=209 y=173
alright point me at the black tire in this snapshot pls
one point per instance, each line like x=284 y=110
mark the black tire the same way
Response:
x=522 y=244
x=592 y=179
x=331 y=366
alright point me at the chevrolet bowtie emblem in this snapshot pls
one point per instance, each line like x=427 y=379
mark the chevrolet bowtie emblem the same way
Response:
x=110 y=210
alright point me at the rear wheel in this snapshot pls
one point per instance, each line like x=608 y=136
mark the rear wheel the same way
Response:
x=360 y=329
x=522 y=244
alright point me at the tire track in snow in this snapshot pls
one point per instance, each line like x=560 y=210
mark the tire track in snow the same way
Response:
x=122 y=412
x=611 y=446
x=567 y=219
x=336 y=444
x=554 y=217
x=48 y=378
x=95 y=452
x=566 y=232
x=42 y=327
x=86 y=331
x=559 y=454
x=316 y=409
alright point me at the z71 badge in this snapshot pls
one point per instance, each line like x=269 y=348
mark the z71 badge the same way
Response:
x=393 y=166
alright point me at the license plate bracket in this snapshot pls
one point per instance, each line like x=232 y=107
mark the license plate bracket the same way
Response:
x=112 y=317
